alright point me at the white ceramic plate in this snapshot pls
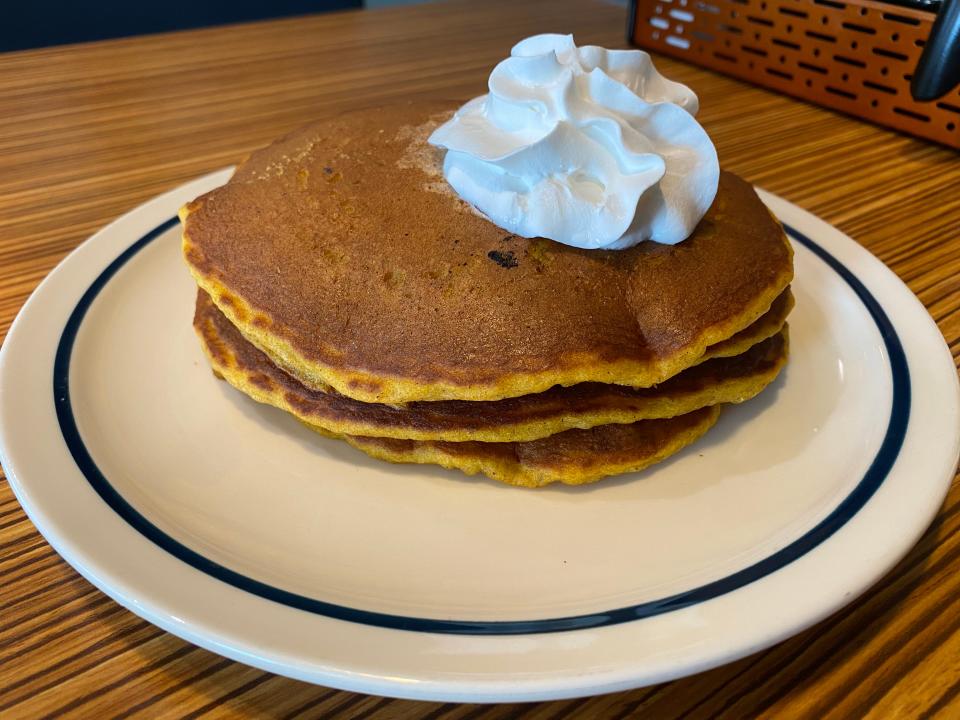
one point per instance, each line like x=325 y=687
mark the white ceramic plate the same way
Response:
x=229 y=524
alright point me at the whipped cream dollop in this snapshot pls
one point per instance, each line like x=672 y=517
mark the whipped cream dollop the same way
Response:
x=586 y=146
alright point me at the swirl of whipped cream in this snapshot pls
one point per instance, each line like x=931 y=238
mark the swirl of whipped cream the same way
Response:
x=586 y=146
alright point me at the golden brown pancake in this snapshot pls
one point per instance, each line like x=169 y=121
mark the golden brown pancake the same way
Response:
x=722 y=380
x=574 y=457
x=340 y=252
x=766 y=326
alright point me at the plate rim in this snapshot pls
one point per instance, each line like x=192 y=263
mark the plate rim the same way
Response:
x=493 y=688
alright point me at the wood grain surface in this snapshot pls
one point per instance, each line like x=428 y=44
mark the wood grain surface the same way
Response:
x=88 y=132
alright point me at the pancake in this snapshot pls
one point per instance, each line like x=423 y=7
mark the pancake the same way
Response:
x=766 y=326
x=341 y=253
x=574 y=457
x=721 y=380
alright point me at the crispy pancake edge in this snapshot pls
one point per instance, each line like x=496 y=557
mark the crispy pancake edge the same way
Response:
x=250 y=372
x=764 y=327
x=505 y=463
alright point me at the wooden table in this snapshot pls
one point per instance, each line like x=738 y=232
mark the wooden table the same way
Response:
x=88 y=132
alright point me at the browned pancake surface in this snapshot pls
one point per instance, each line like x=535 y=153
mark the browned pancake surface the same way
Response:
x=331 y=252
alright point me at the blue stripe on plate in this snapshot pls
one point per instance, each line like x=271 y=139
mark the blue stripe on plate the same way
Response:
x=874 y=477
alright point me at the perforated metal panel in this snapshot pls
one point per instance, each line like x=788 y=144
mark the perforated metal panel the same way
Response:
x=854 y=56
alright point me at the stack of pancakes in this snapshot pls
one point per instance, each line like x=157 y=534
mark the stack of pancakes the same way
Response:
x=342 y=281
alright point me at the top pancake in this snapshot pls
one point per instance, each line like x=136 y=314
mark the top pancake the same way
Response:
x=340 y=252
